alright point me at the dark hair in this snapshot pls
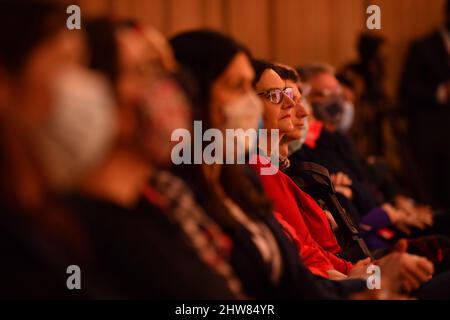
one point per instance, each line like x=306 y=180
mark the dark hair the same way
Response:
x=286 y=73
x=345 y=80
x=103 y=47
x=260 y=66
x=308 y=71
x=368 y=46
x=24 y=25
x=206 y=55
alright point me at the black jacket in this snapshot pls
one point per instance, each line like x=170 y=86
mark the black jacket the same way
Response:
x=139 y=254
x=427 y=66
x=334 y=152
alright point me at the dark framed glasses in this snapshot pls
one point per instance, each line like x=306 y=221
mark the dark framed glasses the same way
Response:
x=276 y=95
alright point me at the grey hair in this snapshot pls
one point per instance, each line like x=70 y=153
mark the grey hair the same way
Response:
x=309 y=71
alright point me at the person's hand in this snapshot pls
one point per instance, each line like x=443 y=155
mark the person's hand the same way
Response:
x=341 y=179
x=342 y=184
x=401 y=271
x=333 y=224
x=336 y=275
x=393 y=214
x=345 y=191
x=402 y=219
x=425 y=215
x=359 y=270
x=410 y=221
x=416 y=216
x=405 y=203
x=379 y=295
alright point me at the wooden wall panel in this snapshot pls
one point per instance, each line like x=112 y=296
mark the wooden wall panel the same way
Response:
x=307 y=31
x=289 y=31
x=186 y=15
x=94 y=8
x=347 y=20
x=214 y=14
x=249 y=23
x=403 y=21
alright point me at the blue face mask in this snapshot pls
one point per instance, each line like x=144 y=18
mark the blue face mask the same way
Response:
x=337 y=111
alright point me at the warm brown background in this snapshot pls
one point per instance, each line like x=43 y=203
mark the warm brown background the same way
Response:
x=289 y=31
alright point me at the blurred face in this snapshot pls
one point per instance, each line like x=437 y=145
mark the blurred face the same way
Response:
x=299 y=115
x=136 y=68
x=28 y=95
x=151 y=103
x=323 y=87
x=276 y=115
x=233 y=84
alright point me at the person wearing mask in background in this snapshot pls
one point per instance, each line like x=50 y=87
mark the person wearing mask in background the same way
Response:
x=425 y=96
x=332 y=150
x=265 y=259
x=328 y=147
x=293 y=207
x=42 y=78
x=139 y=241
x=385 y=180
x=342 y=214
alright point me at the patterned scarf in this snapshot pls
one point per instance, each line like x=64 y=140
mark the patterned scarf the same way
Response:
x=211 y=244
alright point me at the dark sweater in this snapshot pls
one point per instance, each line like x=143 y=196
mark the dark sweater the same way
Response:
x=139 y=253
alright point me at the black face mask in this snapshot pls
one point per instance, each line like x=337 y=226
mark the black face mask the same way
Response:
x=329 y=111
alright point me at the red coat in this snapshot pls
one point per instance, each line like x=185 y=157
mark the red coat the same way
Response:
x=312 y=232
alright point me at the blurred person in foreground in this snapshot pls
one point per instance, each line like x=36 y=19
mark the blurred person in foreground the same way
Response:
x=148 y=238
x=42 y=78
x=74 y=138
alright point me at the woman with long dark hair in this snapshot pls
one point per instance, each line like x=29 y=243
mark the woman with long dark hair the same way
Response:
x=263 y=257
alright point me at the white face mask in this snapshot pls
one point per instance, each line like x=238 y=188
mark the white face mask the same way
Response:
x=244 y=113
x=347 y=118
x=80 y=129
x=296 y=145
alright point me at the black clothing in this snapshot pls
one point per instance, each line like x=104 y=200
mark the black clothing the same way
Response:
x=334 y=152
x=314 y=179
x=30 y=267
x=427 y=66
x=139 y=253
